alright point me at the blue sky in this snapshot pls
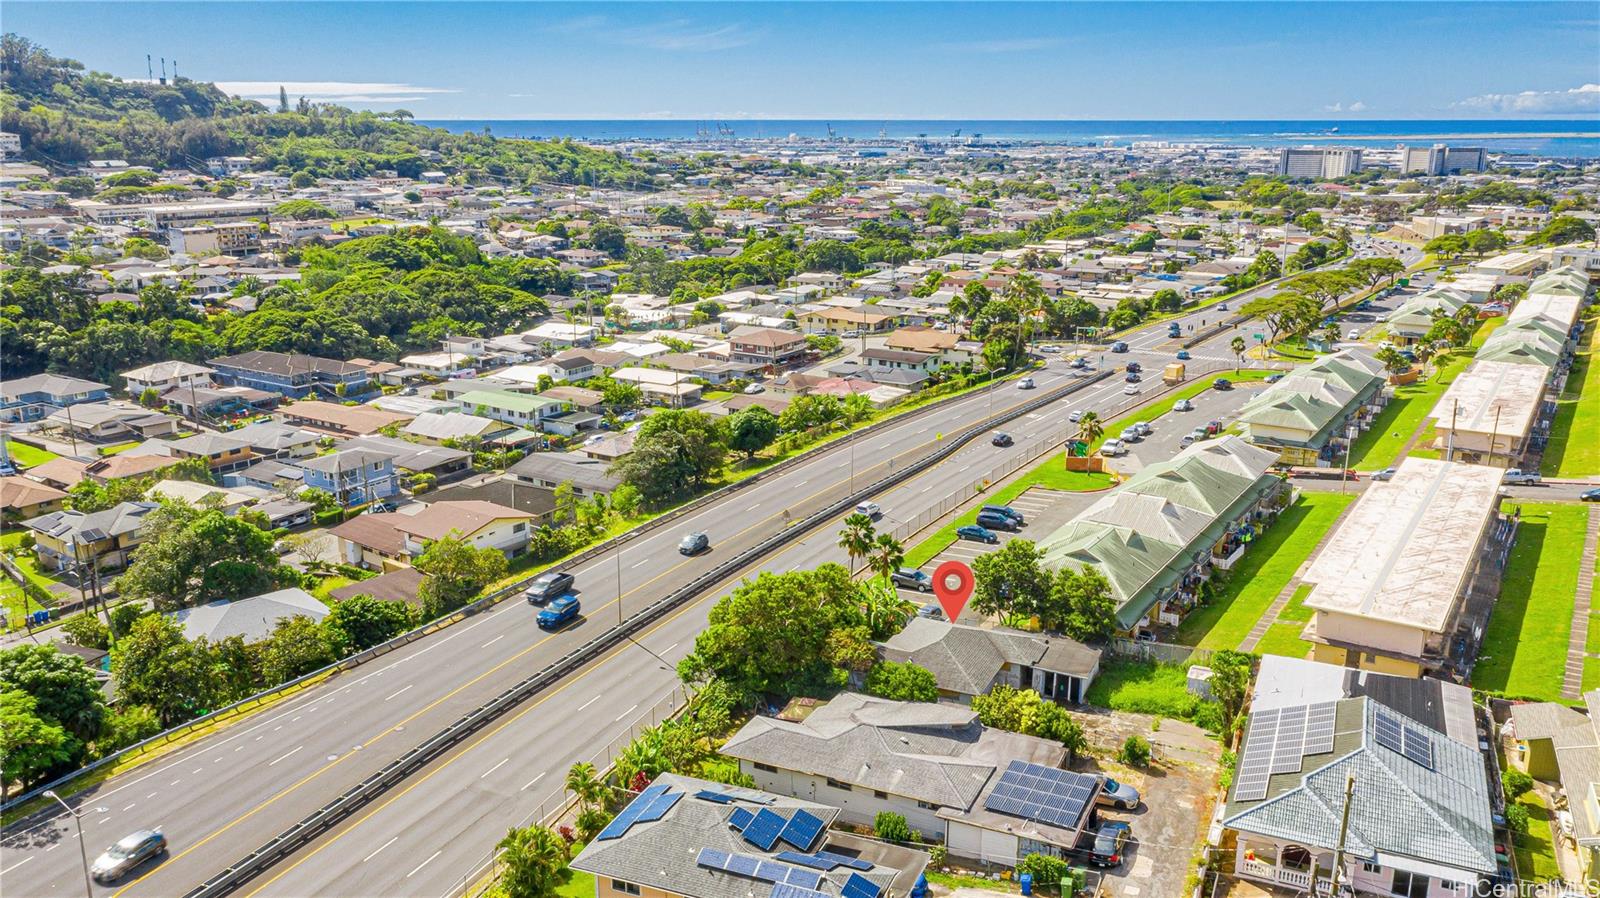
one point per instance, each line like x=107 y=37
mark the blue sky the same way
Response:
x=1265 y=60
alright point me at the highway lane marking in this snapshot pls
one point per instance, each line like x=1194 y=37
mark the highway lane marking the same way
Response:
x=640 y=564
x=493 y=769
x=425 y=863
x=17 y=864
x=754 y=507
x=380 y=848
x=485 y=645
x=668 y=649
x=287 y=754
x=401 y=692
x=152 y=795
x=128 y=808
x=531 y=782
x=391 y=728
x=622 y=715
x=589 y=702
x=102 y=820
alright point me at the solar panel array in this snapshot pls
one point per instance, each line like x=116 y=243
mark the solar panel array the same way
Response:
x=758 y=868
x=824 y=860
x=1041 y=793
x=651 y=804
x=740 y=818
x=718 y=797
x=803 y=829
x=1277 y=741
x=1400 y=738
x=858 y=886
x=764 y=830
x=784 y=890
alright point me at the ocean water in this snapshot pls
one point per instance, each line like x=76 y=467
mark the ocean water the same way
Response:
x=1560 y=138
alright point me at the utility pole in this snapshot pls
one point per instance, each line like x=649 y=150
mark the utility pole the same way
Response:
x=1344 y=829
x=1450 y=445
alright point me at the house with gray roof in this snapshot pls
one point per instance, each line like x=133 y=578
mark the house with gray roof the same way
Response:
x=967 y=661
x=1560 y=745
x=931 y=762
x=253 y=619
x=699 y=839
x=1419 y=817
x=549 y=470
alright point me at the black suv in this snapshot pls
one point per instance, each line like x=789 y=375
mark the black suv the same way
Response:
x=547 y=586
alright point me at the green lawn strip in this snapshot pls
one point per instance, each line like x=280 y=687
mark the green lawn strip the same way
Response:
x=29 y=565
x=16 y=603
x=327 y=585
x=1284 y=639
x=1143 y=687
x=1381 y=444
x=1296 y=610
x=118 y=448
x=1536 y=853
x=1591 y=674
x=1524 y=651
x=13 y=540
x=1577 y=412
x=25 y=456
x=1266 y=568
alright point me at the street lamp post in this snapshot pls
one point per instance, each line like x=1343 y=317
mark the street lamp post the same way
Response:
x=83 y=852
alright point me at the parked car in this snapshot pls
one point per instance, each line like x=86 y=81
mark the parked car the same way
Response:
x=753 y=389
x=1519 y=476
x=1113 y=448
x=559 y=613
x=1006 y=510
x=1183 y=355
x=1117 y=795
x=1223 y=384
x=1213 y=427
x=1199 y=433
x=931 y=611
x=1109 y=844
x=1183 y=405
x=129 y=852
x=1274 y=378
x=1188 y=439
x=1025 y=384
x=1002 y=440
x=1129 y=434
x=1385 y=474
x=1143 y=427
x=993 y=521
x=693 y=543
x=1119 y=346
x=871 y=509
x=977 y=534
x=911 y=578
x=547 y=586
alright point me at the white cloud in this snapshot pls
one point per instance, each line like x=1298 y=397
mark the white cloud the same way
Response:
x=1581 y=100
x=672 y=35
x=334 y=91
x=1001 y=45
x=1356 y=106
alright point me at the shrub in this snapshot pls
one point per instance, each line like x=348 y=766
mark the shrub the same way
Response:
x=1135 y=752
x=1047 y=870
x=1517 y=818
x=937 y=855
x=1209 y=717
x=891 y=827
x=902 y=682
x=1516 y=782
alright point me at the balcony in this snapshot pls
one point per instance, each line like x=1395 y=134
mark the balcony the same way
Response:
x=1267 y=870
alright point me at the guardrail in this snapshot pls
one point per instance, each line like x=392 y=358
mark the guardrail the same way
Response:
x=252 y=702
x=395 y=771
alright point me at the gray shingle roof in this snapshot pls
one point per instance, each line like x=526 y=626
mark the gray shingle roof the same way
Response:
x=1401 y=809
x=966 y=660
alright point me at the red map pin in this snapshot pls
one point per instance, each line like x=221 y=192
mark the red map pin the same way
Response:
x=952 y=584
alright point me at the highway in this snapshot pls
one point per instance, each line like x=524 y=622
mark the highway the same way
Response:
x=222 y=796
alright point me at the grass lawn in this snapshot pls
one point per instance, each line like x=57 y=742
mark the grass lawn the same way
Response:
x=1524 y=650
x=328 y=584
x=716 y=395
x=120 y=447
x=1266 y=568
x=29 y=565
x=25 y=456
x=15 y=603
x=1578 y=413
x=1284 y=639
x=1381 y=444
x=575 y=883
x=1536 y=853
x=1143 y=687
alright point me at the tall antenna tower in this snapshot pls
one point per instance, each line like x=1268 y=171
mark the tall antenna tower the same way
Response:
x=174 y=71
x=163 y=70
x=149 y=68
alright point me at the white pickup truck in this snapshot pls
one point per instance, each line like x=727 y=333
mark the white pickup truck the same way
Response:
x=1521 y=477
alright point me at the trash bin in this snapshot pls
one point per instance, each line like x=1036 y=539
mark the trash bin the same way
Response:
x=1026 y=881
x=1068 y=888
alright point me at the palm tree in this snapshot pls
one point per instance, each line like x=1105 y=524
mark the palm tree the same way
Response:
x=886 y=612
x=958 y=310
x=1026 y=293
x=886 y=555
x=1238 y=345
x=856 y=537
x=1090 y=429
x=533 y=858
x=585 y=784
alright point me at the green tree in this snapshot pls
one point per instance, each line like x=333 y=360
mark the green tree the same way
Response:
x=850 y=648
x=1081 y=604
x=62 y=685
x=769 y=634
x=31 y=746
x=1055 y=722
x=885 y=556
x=1010 y=581
x=752 y=430
x=454 y=574
x=1230 y=679
x=883 y=608
x=856 y=538
x=1090 y=429
x=674 y=455
x=609 y=238
x=86 y=630
x=891 y=827
x=1135 y=752
x=126 y=726
x=191 y=556
x=531 y=861
x=902 y=682
x=156 y=667
x=586 y=785
x=1237 y=346
x=1009 y=708
x=1563 y=229
x=296 y=647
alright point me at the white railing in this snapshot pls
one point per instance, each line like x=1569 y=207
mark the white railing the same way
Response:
x=1258 y=868
x=1227 y=562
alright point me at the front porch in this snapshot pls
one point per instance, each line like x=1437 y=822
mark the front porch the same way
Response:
x=1291 y=866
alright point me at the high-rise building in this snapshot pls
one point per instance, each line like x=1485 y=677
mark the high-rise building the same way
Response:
x=1443 y=160
x=1319 y=162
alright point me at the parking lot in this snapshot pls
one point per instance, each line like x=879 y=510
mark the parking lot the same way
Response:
x=1168 y=431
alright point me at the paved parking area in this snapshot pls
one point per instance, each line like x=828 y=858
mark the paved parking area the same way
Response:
x=1168 y=431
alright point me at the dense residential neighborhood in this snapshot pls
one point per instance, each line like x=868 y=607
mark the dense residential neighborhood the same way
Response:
x=785 y=517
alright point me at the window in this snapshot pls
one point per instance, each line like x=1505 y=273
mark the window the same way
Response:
x=1409 y=885
x=877 y=794
x=518 y=528
x=766 y=767
x=926 y=805
x=1369 y=867
x=625 y=887
x=838 y=785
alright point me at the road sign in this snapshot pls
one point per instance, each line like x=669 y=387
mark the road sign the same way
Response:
x=952 y=585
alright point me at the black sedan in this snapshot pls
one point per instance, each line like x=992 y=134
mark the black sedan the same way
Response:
x=1002 y=440
x=1590 y=495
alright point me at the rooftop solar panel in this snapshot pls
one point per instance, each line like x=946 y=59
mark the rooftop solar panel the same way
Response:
x=743 y=864
x=764 y=829
x=1418 y=747
x=713 y=858
x=790 y=890
x=718 y=797
x=803 y=829
x=658 y=806
x=807 y=860
x=858 y=886
x=805 y=879
x=741 y=817
x=619 y=825
x=1041 y=793
x=845 y=860
x=1386 y=730
x=1319 y=728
